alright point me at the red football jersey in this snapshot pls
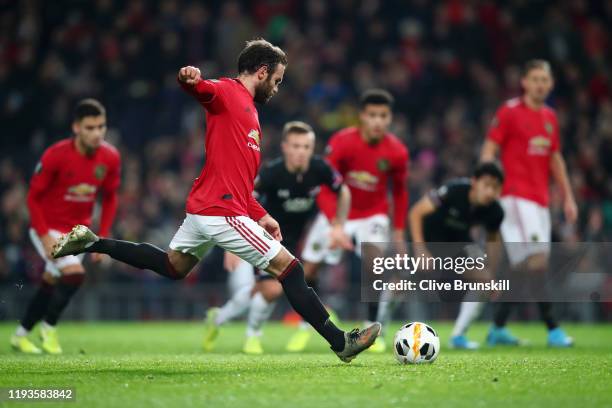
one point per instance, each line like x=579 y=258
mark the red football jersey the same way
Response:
x=65 y=183
x=527 y=138
x=233 y=136
x=366 y=170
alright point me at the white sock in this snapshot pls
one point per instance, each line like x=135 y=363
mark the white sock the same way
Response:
x=241 y=282
x=241 y=277
x=468 y=312
x=259 y=312
x=21 y=331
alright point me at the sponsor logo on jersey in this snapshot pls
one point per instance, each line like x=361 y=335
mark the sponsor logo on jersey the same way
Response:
x=81 y=192
x=283 y=193
x=539 y=146
x=362 y=180
x=100 y=172
x=298 y=205
x=253 y=139
x=265 y=234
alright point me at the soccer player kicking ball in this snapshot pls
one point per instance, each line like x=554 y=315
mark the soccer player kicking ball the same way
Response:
x=369 y=158
x=62 y=193
x=221 y=209
x=526 y=134
x=447 y=214
x=287 y=188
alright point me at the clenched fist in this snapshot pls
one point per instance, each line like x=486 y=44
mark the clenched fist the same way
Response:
x=189 y=75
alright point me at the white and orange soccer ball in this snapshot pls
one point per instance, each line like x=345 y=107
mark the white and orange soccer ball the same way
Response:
x=416 y=343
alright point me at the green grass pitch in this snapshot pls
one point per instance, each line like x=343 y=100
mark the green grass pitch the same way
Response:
x=160 y=365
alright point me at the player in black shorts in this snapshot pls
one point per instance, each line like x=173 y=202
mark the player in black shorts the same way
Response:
x=287 y=188
x=447 y=214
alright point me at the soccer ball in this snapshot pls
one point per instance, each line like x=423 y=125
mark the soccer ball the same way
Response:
x=416 y=343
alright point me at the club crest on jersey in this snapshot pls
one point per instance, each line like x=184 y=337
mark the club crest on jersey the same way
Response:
x=549 y=127
x=100 y=171
x=253 y=139
x=383 y=164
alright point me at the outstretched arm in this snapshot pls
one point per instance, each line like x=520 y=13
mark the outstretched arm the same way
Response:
x=190 y=79
x=559 y=173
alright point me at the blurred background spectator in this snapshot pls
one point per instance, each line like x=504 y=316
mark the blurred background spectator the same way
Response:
x=449 y=64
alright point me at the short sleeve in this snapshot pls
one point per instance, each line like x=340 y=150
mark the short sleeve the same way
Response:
x=328 y=175
x=498 y=129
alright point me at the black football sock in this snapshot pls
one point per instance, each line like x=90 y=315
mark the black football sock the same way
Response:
x=372 y=311
x=38 y=305
x=547 y=315
x=65 y=289
x=502 y=313
x=308 y=305
x=142 y=256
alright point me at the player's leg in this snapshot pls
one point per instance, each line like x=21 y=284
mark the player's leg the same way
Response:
x=472 y=303
x=241 y=282
x=33 y=314
x=314 y=252
x=249 y=241
x=374 y=229
x=71 y=279
x=299 y=340
x=267 y=292
x=61 y=280
x=514 y=231
x=468 y=312
x=189 y=247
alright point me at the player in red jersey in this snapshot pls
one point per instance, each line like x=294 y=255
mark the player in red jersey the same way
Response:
x=525 y=132
x=62 y=193
x=221 y=209
x=368 y=157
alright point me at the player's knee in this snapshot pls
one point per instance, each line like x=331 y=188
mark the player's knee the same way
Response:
x=271 y=290
x=180 y=264
x=280 y=262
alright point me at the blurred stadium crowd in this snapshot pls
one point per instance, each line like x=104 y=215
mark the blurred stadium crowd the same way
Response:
x=449 y=64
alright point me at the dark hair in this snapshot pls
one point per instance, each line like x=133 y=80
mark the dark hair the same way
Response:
x=88 y=107
x=376 y=97
x=490 y=168
x=536 y=64
x=296 y=126
x=260 y=53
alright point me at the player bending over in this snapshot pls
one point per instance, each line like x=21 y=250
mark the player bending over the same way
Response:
x=221 y=209
x=369 y=158
x=447 y=214
x=287 y=188
x=62 y=193
x=525 y=132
